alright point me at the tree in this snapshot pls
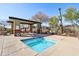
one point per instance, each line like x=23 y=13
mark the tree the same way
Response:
x=53 y=22
x=3 y=24
x=40 y=17
x=60 y=19
x=0 y=25
x=72 y=15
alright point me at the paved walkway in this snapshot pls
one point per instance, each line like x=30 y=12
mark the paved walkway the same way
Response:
x=10 y=45
x=66 y=46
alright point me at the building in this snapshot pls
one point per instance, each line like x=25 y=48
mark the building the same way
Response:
x=19 y=25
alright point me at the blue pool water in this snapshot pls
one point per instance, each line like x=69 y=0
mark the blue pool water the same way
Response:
x=38 y=44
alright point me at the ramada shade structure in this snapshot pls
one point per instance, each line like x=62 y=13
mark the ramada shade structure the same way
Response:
x=15 y=22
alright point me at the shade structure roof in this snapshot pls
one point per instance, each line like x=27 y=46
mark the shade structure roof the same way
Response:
x=24 y=20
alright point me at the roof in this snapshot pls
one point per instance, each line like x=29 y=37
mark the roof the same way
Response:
x=15 y=18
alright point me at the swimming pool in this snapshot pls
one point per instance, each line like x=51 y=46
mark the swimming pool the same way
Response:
x=38 y=44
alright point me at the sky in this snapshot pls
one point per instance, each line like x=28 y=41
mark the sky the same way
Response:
x=27 y=10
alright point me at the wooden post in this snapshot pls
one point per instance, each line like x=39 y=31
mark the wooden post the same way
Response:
x=39 y=28
x=14 y=28
x=31 y=28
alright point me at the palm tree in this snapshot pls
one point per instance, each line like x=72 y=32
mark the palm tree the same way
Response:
x=60 y=18
x=53 y=22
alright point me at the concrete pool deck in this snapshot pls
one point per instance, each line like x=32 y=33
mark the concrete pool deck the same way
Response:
x=65 y=46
